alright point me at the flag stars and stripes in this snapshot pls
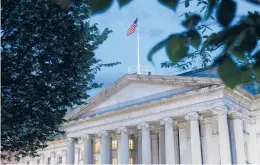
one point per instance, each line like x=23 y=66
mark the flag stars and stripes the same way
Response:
x=132 y=28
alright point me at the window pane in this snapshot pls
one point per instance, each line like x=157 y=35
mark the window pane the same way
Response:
x=97 y=147
x=131 y=144
x=114 y=144
x=114 y=160
x=131 y=160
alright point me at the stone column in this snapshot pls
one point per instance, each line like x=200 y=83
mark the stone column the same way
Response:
x=161 y=146
x=87 y=150
x=169 y=140
x=53 y=155
x=118 y=137
x=124 y=145
x=207 y=124
x=64 y=156
x=224 y=139
x=155 y=149
x=139 y=149
x=105 y=147
x=193 y=118
x=41 y=159
x=71 y=150
x=253 y=148
x=184 y=149
x=146 y=143
x=239 y=137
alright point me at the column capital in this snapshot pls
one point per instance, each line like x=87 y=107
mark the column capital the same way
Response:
x=206 y=122
x=192 y=116
x=236 y=115
x=221 y=112
x=64 y=152
x=103 y=133
x=122 y=129
x=168 y=120
x=87 y=136
x=70 y=140
x=144 y=125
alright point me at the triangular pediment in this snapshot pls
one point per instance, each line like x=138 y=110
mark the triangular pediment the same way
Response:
x=136 y=89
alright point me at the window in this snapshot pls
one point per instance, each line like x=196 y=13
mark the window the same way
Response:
x=131 y=160
x=28 y=162
x=60 y=160
x=38 y=161
x=96 y=162
x=131 y=144
x=114 y=144
x=49 y=160
x=97 y=147
x=114 y=160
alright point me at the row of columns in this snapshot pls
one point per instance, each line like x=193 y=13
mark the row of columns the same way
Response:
x=169 y=152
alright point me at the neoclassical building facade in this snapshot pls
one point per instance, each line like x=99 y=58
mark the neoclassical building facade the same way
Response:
x=158 y=119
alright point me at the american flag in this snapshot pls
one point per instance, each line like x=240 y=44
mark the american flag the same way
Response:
x=132 y=28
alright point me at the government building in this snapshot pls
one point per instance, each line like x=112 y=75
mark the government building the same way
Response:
x=191 y=118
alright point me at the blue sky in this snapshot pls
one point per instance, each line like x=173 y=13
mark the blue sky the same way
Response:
x=156 y=22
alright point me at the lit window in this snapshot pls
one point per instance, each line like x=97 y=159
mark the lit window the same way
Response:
x=38 y=161
x=114 y=144
x=131 y=144
x=131 y=160
x=114 y=160
x=97 y=147
x=49 y=160
x=96 y=162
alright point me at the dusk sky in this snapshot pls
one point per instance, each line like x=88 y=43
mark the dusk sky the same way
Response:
x=156 y=22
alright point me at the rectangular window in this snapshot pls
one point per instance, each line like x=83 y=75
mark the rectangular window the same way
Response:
x=28 y=162
x=131 y=160
x=97 y=147
x=49 y=160
x=131 y=144
x=114 y=144
x=114 y=160
x=38 y=161
x=96 y=162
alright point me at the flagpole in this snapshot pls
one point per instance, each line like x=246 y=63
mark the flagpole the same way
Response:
x=138 y=48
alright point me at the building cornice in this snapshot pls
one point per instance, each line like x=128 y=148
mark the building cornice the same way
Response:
x=148 y=79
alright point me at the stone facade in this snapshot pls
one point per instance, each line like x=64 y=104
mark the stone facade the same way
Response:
x=153 y=119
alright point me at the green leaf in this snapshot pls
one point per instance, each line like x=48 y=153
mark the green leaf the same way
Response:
x=226 y=12
x=122 y=3
x=238 y=52
x=176 y=47
x=231 y=75
x=192 y=21
x=211 y=5
x=194 y=37
x=257 y=71
x=257 y=65
x=249 y=40
x=155 y=49
x=99 y=6
x=187 y=3
x=172 y=4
